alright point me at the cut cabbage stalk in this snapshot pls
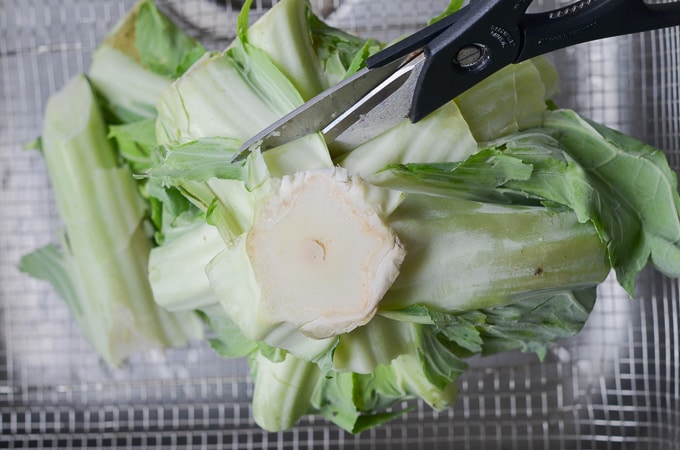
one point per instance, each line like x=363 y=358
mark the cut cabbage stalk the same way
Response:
x=322 y=255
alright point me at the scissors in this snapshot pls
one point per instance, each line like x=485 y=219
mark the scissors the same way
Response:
x=417 y=75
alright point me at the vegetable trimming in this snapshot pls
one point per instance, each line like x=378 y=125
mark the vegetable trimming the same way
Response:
x=353 y=283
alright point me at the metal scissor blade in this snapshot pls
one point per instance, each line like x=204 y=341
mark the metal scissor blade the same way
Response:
x=378 y=111
x=354 y=110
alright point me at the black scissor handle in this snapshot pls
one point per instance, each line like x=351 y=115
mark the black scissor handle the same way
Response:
x=487 y=35
x=461 y=22
x=590 y=20
x=482 y=38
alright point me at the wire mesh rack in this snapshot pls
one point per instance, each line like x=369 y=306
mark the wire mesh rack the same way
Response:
x=616 y=385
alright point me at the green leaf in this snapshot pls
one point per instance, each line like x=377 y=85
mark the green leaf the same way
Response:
x=163 y=47
x=479 y=177
x=637 y=199
x=47 y=263
x=35 y=144
x=170 y=209
x=439 y=360
x=367 y=421
x=136 y=142
x=460 y=328
x=357 y=402
x=198 y=160
x=273 y=354
x=341 y=54
x=358 y=62
x=533 y=324
x=334 y=399
x=242 y=22
x=228 y=341
x=530 y=323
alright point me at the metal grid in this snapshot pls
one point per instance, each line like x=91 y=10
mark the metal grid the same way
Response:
x=614 y=386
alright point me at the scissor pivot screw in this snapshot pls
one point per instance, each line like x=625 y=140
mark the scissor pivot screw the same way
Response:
x=472 y=57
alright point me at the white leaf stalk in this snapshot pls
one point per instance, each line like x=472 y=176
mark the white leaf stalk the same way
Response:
x=313 y=252
x=352 y=289
x=104 y=255
x=315 y=263
x=322 y=255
